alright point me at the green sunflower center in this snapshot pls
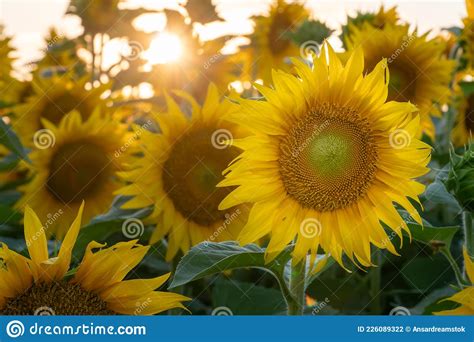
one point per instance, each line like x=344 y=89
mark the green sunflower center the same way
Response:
x=56 y=298
x=328 y=160
x=402 y=83
x=191 y=174
x=56 y=108
x=78 y=171
x=469 y=114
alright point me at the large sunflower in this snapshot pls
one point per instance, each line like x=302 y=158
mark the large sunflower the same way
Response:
x=75 y=161
x=271 y=42
x=179 y=171
x=39 y=284
x=466 y=296
x=419 y=71
x=52 y=99
x=328 y=159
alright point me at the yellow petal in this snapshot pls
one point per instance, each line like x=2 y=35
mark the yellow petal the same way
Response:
x=35 y=237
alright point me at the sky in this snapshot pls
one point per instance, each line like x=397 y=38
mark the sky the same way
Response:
x=29 y=20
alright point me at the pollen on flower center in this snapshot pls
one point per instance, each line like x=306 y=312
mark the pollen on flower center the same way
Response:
x=328 y=160
x=77 y=170
x=58 y=298
x=191 y=173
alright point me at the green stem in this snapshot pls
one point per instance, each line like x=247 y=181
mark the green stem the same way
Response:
x=468 y=228
x=375 y=283
x=297 y=288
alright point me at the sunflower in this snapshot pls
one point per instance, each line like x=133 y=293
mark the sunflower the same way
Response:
x=39 y=284
x=271 y=42
x=75 y=161
x=464 y=297
x=178 y=173
x=464 y=103
x=328 y=158
x=52 y=99
x=467 y=33
x=377 y=20
x=419 y=72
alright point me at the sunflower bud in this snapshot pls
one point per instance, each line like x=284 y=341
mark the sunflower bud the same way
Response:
x=460 y=181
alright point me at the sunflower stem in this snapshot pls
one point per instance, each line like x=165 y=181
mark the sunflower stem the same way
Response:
x=454 y=266
x=297 y=288
x=468 y=228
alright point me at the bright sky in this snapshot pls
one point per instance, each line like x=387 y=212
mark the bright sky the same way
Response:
x=29 y=20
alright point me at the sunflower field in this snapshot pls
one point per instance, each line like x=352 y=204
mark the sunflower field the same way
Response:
x=300 y=169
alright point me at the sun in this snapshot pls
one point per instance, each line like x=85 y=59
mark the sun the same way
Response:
x=164 y=48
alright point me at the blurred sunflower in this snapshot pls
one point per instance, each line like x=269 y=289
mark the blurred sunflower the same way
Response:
x=464 y=297
x=464 y=103
x=76 y=161
x=467 y=34
x=52 y=99
x=377 y=20
x=97 y=287
x=419 y=72
x=328 y=159
x=179 y=171
x=10 y=88
x=271 y=41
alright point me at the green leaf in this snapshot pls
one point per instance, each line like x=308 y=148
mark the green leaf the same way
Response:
x=423 y=273
x=243 y=298
x=8 y=162
x=117 y=213
x=11 y=141
x=208 y=258
x=437 y=193
x=8 y=215
x=434 y=236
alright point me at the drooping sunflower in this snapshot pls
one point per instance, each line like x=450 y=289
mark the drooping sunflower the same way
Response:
x=178 y=173
x=466 y=296
x=378 y=20
x=328 y=158
x=271 y=42
x=38 y=284
x=464 y=103
x=420 y=73
x=52 y=99
x=75 y=161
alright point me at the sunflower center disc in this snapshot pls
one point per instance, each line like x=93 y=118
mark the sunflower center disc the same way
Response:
x=328 y=160
x=191 y=174
x=402 y=82
x=277 y=33
x=469 y=114
x=77 y=171
x=57 y=108
x=56 y=298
